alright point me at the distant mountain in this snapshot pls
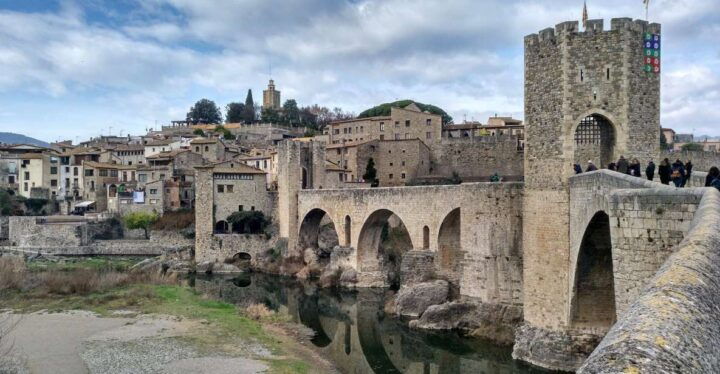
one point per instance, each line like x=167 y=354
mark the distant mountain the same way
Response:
x=12 y=138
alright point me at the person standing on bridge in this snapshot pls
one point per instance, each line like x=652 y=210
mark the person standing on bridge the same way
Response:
x=688 y=172
x=591 y=166
x=678 y=173
x=650 y=170
x=634 y=168
x=622 y=165
x=577 y=168
x=664 y=171
x=713 y=173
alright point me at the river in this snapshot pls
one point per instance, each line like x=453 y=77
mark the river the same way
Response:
x=353 y=332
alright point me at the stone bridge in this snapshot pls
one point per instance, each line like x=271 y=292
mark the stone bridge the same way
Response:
x=621 y=231
x=471 y=233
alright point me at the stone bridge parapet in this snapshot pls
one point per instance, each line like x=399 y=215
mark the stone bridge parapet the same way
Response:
x=673 y=326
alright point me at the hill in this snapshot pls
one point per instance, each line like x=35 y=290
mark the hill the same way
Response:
x=13 y=138
x=384 y=110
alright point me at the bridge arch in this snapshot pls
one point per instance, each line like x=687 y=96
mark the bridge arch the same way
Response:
x=593 y=292
x=382 y=242
x=450 y=255
x=313 y=222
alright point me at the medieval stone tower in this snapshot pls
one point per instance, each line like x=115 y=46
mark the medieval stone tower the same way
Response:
x=301 y=165
x=590 y=95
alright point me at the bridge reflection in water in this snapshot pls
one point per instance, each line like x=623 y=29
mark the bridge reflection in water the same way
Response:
x=352 y=330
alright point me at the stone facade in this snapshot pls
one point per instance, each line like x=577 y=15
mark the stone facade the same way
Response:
x=477 y=158
x=402 y=123
x=241 y=188
x=570 y=76
x=672 y=327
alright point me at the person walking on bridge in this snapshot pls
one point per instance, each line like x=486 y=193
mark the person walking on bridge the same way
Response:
x=650 y=170
x=688 y=172
x=664 y=171
x=622 y=165
x=577 y=168
x=591 y=166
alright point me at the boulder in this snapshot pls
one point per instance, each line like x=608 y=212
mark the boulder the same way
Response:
x=413 y=300
x=310 y=257
x=495 y=322
x=222 y=268
x=204 y=267
x=348 y=276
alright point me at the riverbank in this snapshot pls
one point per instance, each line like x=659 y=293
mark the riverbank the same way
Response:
x=63 y=318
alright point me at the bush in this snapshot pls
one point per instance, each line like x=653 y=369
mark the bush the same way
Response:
x=140 y=220
x=692 y=147
x=178 y=220
x=248 y=222
x=12 y=272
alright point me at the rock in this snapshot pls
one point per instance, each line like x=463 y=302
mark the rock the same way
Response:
x=413 y=300
x=445 y=316
x=221 y=268
x=327 y=238
x=179 y=266
x=204 y=267
x=390 y=306
x=348 y=276
x=330 y=276
x=310 y=257
x=495 y=322
x=304 y=273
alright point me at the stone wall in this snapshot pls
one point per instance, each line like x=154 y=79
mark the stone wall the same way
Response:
x=31 y=232
x=476 y=158
x=4 y=227
x=673 y=326
x=702 y=161
x=646 y=227
x=223 y=246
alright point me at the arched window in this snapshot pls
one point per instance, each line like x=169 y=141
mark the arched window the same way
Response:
x=348 y=224
x=594 y=141
x=426 y=237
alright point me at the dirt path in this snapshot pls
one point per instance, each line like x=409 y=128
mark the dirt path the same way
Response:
x=81 y=342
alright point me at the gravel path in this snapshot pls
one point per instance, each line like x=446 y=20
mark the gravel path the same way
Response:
x=80 y=342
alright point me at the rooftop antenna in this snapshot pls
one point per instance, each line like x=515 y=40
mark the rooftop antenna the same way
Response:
x=647 y=5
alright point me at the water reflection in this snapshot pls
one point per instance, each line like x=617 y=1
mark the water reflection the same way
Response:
x=352 y=330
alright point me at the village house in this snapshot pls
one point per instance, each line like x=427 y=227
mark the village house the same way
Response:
x=238 y=187
x=154 y=147
x=402 y=124
x=129 y=154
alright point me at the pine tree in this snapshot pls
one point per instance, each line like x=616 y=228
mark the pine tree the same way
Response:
x=370 y=173
x=249 y=110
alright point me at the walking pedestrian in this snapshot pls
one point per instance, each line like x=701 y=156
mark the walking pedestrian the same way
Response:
x=664 y=171
x=591 y=166
x=612 y=166
x=688 y=172
x=650 y=170
x=577 y=168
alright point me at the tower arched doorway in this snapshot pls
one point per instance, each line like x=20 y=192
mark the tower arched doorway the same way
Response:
x=594 y=139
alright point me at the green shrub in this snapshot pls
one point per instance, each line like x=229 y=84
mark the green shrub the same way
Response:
x=140 y=220
x=248 y=222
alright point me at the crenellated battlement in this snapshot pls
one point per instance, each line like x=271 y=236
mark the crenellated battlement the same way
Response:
x=593 y=26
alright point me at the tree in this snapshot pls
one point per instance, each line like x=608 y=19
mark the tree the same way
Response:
x=690 y=147
x=140 y=220
x=291 y=113
x=226 y=134
x=234 y=112
x=199 y=132
x=270 y=115
x=204 y=111
x=248 y=222
x=370 y=173
x=384 y=110
x=249 y=110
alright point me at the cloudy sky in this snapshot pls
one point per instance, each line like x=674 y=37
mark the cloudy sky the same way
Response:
x=76 y=68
